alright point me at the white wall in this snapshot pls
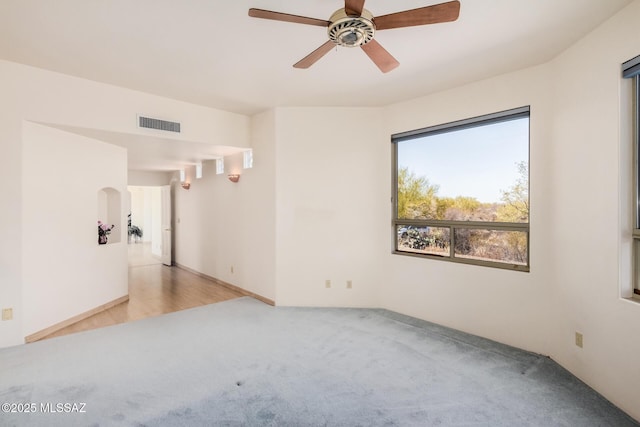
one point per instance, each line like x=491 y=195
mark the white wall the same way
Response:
x=138 y=207
x=46 y=97
x=146 y=213
x=11 y=212
x=65 y=272
x=591 y=208
x=580 y=187
x=316 y=205
x=219 y=224
x=150 y=179
x=507 y=306
x=49 y=97
x=310 y=210
x=154 y=217
x=142 y=211
x=332 y=205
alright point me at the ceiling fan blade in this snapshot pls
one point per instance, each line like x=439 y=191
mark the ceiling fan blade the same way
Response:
x=353 y=7
x=278 y=16
x=380 y=56
x=443 y=12
x=314 y=56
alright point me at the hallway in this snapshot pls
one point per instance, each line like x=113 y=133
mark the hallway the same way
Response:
x=154 y=289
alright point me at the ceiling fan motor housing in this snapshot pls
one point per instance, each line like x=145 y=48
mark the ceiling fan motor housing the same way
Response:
x=351 y=31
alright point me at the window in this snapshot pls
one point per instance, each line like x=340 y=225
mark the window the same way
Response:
x=631 y=70
x=461 y=191
x=247 y=159
x=219 y=166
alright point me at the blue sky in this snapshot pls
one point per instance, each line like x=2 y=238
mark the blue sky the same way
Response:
x=478 y=162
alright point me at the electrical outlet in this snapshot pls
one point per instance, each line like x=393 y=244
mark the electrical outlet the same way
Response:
x=579 y=339
x=232 y=269
x=7 y=313
x=349 y=284
x=327 y=283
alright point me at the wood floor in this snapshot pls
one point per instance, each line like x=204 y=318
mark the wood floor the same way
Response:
x=154 y=289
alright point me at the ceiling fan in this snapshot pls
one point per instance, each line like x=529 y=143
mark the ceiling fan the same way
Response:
x=355 y=26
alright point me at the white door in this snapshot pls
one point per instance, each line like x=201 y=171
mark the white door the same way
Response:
x=166 y=224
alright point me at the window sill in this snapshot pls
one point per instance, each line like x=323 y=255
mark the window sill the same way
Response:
x=635 y=298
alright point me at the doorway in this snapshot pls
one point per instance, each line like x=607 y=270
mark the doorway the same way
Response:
x=147 y=237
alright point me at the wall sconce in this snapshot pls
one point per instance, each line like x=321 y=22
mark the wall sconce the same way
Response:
x=183 y=179
x=234 y=177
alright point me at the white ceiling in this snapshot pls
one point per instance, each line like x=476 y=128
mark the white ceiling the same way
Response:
x=210 y=52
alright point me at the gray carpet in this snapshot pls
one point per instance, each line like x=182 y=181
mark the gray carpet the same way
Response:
x=244 y=363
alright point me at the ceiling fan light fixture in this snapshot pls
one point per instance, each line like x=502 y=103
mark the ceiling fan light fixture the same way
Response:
x=351 y=31
x=354 y=26
x=350 y=38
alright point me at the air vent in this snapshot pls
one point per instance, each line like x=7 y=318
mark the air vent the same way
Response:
x=149 y=123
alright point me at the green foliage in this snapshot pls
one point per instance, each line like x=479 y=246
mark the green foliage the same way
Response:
x=516 y=198
x=418 y=199
x=443 y=205
x=416 y=196
x=466 y=203
x=460 y=208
